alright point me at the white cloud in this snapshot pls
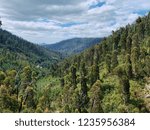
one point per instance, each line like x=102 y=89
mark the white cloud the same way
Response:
x=42 y=20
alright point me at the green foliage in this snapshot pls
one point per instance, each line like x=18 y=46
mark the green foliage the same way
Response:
x=95 y=98
x=120 y=58
x=16 y=52
x=8 y=103
x=108 y=77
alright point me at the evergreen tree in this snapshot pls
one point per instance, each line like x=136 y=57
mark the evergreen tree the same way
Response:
x=95 y=98
x=94 y=74
x=114 y=59
x=135 y=60
x=128 y=66
x=83 y=95
x=122 y=41
x=124 y=82
x=2 y=77
x=129 y=44
x=108 y=62
x=29 y=97
x=83 y=69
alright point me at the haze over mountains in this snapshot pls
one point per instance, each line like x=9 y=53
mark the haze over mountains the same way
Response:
x=73 y=46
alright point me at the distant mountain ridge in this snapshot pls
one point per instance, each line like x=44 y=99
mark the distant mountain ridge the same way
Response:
x=73 y=46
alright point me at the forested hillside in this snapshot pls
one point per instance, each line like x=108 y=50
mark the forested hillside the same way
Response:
x=73 y=46
x=22 y=64
x=15 y=52
x=113 y=76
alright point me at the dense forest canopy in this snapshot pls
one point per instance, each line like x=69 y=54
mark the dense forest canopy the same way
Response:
x=15 y=51
x=113 y=76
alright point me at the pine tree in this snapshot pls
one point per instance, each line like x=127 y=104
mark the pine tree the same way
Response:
x=73 y=76
x=83 y=95
x=95 y=98
x=114 y=59
x=129 y=44
x=83 y=69
x=128 y=66
x=108 y=62
x=2 y=77
x=122 y=41
x=135 y=60
x=135 y=52
x=124 y=82
x=29 y=97
x=94 y=74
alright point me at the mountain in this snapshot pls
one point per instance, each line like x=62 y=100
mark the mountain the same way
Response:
x=110 y=77
x=73 y=46
x=15 y=51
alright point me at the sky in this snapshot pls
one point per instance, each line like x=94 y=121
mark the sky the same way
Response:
x=50 y=21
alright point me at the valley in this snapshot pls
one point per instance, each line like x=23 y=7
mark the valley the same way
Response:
x=109 y=75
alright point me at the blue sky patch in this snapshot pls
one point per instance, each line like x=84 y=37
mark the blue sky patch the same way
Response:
x=97 y=5
x=70 y=24
x=141 y=12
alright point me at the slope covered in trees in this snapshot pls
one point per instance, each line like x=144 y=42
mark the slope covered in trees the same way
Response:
x=22 y=65
x=15 y=51
x=73 y=46
x=113 y=76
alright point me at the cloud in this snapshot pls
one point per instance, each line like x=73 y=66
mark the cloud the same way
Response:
x=54 y=20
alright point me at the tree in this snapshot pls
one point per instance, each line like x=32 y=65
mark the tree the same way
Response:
x=135 y=59
x=114 y=59
x=128 y=66
x=116 y=38
x=135 y=42
x=94 y=74
x=139 y=20
x=44 y=102
x=122 y=41
x=27 y=75
x=2 y=77
x=83 y=69
x=147 y=66
x=124 y=83
x=8 y=103
x=73 y=76
x=10 y=78
x=83 y=95
x=108 y=62
x=129 y=44
x=66 y=99
x=95 y=98
x=125 y=89
x=140 y=29
x=62 y=82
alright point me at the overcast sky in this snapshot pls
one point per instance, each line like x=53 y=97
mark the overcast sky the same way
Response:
x=50 y=21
